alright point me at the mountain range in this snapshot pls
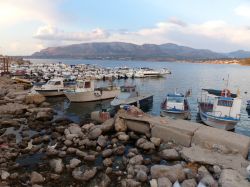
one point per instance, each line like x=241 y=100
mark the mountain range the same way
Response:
x=129 y=51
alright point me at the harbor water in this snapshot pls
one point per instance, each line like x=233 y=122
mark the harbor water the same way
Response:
x=184 y=76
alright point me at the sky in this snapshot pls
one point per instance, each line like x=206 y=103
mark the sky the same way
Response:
x=27 y=26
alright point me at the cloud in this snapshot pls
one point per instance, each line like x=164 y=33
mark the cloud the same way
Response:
x=53 y=33
x=216 y=35
x=13 y=11
x=243 y=10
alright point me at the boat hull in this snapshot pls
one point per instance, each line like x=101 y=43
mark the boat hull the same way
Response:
x=143 y=102
x=216 y=122
x=50 y=93
x=177 y=115
x=90 y=96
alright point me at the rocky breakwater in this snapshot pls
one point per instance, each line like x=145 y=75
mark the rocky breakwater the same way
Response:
x=57 y=152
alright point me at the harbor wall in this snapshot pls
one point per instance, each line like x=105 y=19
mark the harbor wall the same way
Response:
x=188 y=133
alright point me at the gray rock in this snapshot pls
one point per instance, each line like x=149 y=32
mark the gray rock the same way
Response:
x=164 y=182
x=107 y=152
x=155 y=141
x=120 y=125
x=130 y=183
x=136 y=160
x=232 y=178
x=89 y=158
x=44 y=116
x=36 y=178
x=170 y=154
x=56 y=165
x=81 y=153
x=141 y=176
x=94 y=133
x=189 y=183
x=208 y=180
x=68 y=142
x=202 y=172
x=75 y=129
x=153 y=183
x=141 y=167
x=102 y=141
x=83 y=175
x=51 y=151
x=108 y=125
x=4 y=174
x=145 y=144
x=123 y=137
x=107 y=162
x=173 y=173
x=74 y=163
x=119 y=150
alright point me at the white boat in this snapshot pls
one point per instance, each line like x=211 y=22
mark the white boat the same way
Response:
x=85 y=92
x=53 y=87
x=219 y=108
x=176 y=105
x=147 y=72
x=130 y=96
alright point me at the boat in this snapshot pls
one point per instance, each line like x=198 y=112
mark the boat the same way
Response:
x=130 y=96
x=148 y=72
x=219 y=108
x=176 y=105
x=53 y=87
x=85 y=92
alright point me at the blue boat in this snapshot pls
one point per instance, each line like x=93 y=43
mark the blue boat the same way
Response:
x=176 y=105
x=219 y=108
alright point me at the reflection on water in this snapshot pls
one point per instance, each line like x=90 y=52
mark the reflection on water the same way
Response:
x=184 y=76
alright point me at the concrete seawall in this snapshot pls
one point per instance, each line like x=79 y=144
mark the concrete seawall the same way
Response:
x=188 y=133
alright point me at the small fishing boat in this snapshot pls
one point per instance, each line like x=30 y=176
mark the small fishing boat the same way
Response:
x=219 y=108
x=85 y=92
x=130 y=96
x=176 y=105
x=53 y=87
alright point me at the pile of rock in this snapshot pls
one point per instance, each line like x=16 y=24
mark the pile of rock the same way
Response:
x=109 y=154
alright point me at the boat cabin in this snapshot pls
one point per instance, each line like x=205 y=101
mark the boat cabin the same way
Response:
x=86 y=85
x=175 y=102
x=220 y=103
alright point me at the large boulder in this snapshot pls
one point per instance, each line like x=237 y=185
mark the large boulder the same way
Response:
x=173 y=173
x=13 y=108
x=223 y=141
x=34 y=99
x=170 y=154
x=232 y=178
x=205 y=156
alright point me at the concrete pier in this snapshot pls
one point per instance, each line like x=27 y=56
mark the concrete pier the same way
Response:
x=187 y=133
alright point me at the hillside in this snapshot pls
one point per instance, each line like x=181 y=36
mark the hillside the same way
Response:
x=120 y=50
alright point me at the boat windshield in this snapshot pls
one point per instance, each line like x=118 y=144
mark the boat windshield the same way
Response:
x=54 y=82
x=176 y=99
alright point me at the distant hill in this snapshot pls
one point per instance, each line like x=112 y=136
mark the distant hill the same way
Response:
x=239 y=54
x=120 y=50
